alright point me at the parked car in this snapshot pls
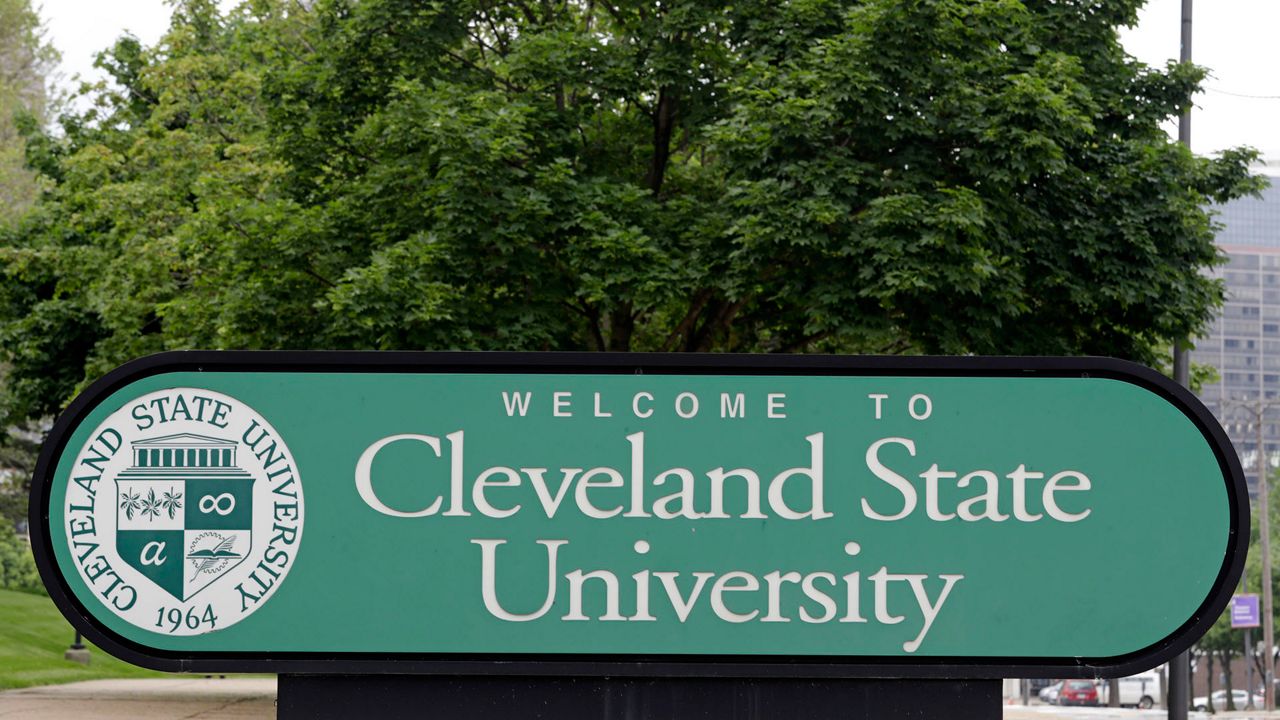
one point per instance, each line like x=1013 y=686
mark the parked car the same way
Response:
x=1239 y=697
x=1138 y=691
x=1049 y=694
x=1078 y=692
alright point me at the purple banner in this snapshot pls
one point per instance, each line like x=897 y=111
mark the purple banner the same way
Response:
x=1244 y=611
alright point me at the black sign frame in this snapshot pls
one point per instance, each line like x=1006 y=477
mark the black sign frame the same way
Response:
x=672 y=666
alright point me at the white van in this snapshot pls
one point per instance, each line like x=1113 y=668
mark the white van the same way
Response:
x=1140 y=690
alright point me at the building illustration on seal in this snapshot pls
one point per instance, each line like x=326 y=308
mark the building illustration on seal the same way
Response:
x=184 y=511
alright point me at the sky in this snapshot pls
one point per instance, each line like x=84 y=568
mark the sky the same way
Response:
x=1235 y=39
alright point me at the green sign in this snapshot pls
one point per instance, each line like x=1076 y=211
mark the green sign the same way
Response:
x=338 y=512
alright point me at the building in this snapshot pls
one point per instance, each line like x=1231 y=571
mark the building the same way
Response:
x=1244 y=341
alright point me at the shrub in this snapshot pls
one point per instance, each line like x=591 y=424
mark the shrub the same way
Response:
x=17 y=566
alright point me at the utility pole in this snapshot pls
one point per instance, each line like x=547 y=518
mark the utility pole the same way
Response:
x=1248 y=651
x=1257 y=418
x=1264 y=533
x=1180 y=665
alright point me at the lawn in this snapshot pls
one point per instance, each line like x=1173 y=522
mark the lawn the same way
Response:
x=33 y=636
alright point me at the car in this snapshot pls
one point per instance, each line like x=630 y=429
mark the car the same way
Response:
x=1239 y=697
x=1078 y=692
x=1049 y=694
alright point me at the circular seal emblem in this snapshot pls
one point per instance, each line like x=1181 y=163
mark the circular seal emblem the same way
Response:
x=184 y=511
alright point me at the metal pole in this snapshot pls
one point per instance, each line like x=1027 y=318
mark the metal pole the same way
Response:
x=1179 y=684
x=1184 y=122
x=1180 y=665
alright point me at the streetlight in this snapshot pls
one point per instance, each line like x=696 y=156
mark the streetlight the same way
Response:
x=1258 y=410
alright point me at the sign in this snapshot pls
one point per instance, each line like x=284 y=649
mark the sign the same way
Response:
x=639 y=514
x=1244 y=611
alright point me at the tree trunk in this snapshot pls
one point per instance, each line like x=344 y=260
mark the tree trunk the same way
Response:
x=1225 y=659
x=664 y=123
x=621 y=326
x=1209 y=670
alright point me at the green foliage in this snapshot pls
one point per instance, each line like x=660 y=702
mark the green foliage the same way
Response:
x=17 y=566
x=19 y=448
x=25 y=63
x=933 y=176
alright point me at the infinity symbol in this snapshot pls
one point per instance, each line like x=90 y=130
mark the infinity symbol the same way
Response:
x=209 y=504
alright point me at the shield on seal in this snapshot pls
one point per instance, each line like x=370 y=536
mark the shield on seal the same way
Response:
x=184 y=511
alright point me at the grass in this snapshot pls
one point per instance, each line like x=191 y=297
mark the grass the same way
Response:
x=33 y=637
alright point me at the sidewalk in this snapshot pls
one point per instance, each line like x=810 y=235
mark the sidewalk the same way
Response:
x=196 y=698
x=201 y=698
x=1047 y=712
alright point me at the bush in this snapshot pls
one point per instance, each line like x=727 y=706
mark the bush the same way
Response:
x=17 y=566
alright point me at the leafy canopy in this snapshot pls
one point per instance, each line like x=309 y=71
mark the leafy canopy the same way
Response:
x=926 y=176
x=26 y=62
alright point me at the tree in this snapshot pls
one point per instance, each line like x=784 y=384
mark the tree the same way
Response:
x=17 y=566
x=26 y=61
x=934 y=176
x=19 y=448
x=1222 y=643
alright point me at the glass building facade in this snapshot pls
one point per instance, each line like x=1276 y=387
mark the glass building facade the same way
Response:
x=1243 y=343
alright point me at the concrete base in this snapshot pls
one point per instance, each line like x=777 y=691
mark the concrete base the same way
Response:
x=80 y=655
x=404 y=697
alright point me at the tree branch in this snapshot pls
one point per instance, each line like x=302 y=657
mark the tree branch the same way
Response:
x=505 y=83
x=306 y=264
x=804 y=342
x=700 y=299
x=895 y=347
x=721 y=318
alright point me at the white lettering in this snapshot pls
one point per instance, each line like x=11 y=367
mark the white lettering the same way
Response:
x=635 y=404
x=1051 y=503
x=484 y=481
x=879 y=398
x=920 y=414
x=749 y=583
x=897 y=481
x=736 y=409
x=516 y=403
x=560 y=402
x=777 y=406
x=599 y=412
x=488 y=579
x=683 y=399
x=364 y=482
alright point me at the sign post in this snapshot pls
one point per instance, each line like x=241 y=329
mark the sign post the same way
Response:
x=638 y=529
